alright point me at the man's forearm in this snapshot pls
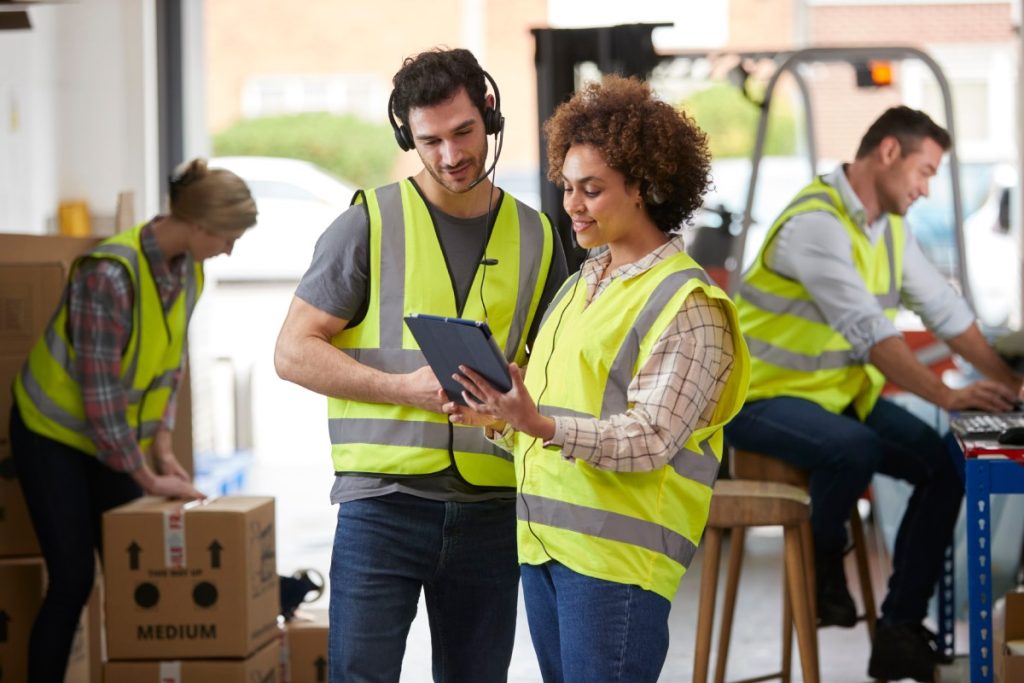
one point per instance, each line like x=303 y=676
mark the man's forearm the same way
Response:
x=973 y=346
x=318 y=366
x=894 y=357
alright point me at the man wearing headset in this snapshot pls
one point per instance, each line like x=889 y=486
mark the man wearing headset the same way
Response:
x=423 y=504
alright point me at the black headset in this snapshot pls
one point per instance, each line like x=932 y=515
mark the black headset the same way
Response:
x=494 y=122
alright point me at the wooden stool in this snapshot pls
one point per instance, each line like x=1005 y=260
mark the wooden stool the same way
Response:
x=748 y=465
x=736 y=505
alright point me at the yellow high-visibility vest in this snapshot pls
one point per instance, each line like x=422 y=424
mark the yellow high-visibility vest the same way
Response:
x=408 y=274
x=47 y=389
x=639 y=528
x=794 y=351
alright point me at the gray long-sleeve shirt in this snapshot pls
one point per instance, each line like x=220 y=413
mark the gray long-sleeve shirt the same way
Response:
x=815 y=249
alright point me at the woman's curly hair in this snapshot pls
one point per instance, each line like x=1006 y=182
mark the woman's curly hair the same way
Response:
x=645 y=139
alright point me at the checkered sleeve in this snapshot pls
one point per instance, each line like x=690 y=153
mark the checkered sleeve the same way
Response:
x=675 y=392
x=100 y=323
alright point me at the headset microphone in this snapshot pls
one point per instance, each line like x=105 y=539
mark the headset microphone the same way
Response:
x=499 y=140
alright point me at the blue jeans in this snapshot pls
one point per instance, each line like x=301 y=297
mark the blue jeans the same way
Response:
x=462 y=555
x=842 y=454
x=588 y=630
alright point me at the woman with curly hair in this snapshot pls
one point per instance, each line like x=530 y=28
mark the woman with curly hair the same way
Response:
x=636 y=368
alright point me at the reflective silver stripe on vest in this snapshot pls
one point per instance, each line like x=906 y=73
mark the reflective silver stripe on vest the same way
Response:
x=383 y=432
x=827 y=360
x=560 y=294
x=392 y=266
x=389 y=360
x=132 y=256
x=47 y=407
x=388 y=432
x=802 y=308
x=56 y=346
x=813 y=196
x=699 y=467
x=773 y=303
x=555 y=411
x=471 y=440
x=531 y=252
x=621 y=372
x=604 y=524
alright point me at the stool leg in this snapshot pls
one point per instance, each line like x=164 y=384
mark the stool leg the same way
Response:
x=787 y=629
x=860 y=551
x=732 y=584
x=807 y=538
x=706 y=608
x=806 y=633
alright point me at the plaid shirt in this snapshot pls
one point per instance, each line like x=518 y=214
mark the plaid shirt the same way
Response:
x=100 y=307
x=675 y=392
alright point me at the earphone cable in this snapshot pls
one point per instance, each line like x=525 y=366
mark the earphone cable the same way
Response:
x=499 y=139
x=533 y=442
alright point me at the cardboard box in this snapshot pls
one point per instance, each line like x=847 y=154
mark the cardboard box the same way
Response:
x=195 y=580
x=28 y=295
x=306 y=647
x=22 y=587
x=21 y=594
x=262 y=667
x=1010 y=657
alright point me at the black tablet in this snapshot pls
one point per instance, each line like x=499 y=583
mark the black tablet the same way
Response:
x=448 y=343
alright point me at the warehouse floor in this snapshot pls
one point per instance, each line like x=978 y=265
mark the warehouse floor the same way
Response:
x=305 y=532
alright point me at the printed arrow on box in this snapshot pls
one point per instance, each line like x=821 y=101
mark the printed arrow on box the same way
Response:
x=133 y=555
x=215 y=549
x=321 y=669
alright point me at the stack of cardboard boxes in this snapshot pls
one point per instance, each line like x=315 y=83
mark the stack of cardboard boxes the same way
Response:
x=32 y=274
x=1008 y=656
x=306 y=647
x=192 y=591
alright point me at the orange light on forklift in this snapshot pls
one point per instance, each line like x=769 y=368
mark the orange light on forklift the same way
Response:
x=873 y=74
x=881 y=73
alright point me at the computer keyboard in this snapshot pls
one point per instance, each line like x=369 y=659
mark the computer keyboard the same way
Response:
x=985 y=425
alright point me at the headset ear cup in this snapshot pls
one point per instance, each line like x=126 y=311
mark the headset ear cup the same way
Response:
x=493 y=121
x=402 y=137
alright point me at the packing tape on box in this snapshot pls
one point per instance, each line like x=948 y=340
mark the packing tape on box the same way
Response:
x=170 y=672
x=174 y=538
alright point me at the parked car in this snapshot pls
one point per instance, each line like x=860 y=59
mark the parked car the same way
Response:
x=296 y=200
x=992 y=234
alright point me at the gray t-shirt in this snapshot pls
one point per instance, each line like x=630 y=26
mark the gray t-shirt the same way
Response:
x=336 y=283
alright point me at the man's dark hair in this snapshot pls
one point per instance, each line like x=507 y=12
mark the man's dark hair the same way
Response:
x=433 y=77
x=907 y=125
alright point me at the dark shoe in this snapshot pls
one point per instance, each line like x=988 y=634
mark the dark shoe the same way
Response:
x=900 y=651
x=932 y=641
x=835 y=606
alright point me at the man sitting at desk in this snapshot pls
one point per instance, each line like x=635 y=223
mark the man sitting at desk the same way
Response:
x=816 y=308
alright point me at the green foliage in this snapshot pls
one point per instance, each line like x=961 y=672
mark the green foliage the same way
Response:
x=349 y=147
x=730 y=120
